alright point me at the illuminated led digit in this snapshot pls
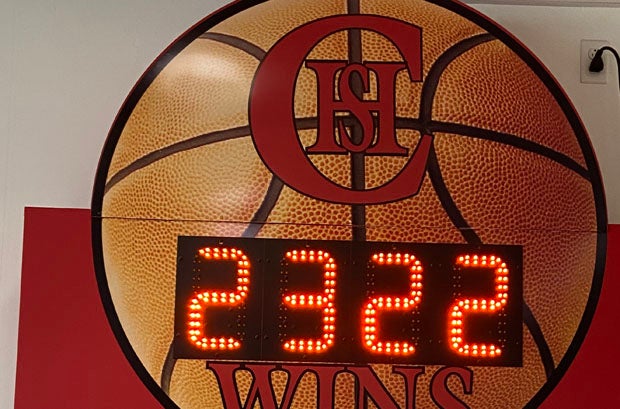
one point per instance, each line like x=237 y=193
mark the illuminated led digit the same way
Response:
x=463 y=306
x=370 y=324
x=323 y=302
x=196 y=323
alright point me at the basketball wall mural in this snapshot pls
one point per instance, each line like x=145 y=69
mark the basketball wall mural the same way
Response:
x=315 y=204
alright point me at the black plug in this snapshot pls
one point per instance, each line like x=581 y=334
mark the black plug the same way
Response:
x=597 y=64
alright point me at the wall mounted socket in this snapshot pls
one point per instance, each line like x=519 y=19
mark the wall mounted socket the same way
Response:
x=588 y=49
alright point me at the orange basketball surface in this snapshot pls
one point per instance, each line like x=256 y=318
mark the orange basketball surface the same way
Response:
x=509 y=164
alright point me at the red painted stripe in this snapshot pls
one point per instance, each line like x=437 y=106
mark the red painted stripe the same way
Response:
x=68 y=357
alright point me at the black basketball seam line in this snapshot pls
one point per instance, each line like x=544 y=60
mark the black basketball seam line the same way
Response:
x=429 y=89
x=186 y=144
x=238 y=43
x=494 y=136
x=358 y=162
x=353 y=7
x=264 y=210
x=310 y=123
x=429 y=86
x=448 y=204
x=513 y=141
x=426 y=104
x=539 y=339
x=471 y=237
x=192 y=143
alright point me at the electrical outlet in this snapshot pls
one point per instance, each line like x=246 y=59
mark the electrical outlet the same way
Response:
x=588 y=49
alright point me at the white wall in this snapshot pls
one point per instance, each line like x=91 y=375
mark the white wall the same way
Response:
x=67 y=65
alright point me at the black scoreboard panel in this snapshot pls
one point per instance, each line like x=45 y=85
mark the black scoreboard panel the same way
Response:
x=275 y=300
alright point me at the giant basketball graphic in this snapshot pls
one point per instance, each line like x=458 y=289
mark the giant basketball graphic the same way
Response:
x=348 y=203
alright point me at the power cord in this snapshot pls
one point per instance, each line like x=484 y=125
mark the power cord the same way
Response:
x=597 y=64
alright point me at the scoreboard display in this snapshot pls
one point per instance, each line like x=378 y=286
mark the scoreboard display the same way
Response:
x=348 y=302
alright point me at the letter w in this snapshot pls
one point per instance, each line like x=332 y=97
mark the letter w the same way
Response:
x=260 y=389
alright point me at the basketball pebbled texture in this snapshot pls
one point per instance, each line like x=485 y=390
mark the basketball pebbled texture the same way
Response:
x=504 y=151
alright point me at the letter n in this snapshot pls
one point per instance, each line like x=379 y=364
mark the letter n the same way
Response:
x=370 y=387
